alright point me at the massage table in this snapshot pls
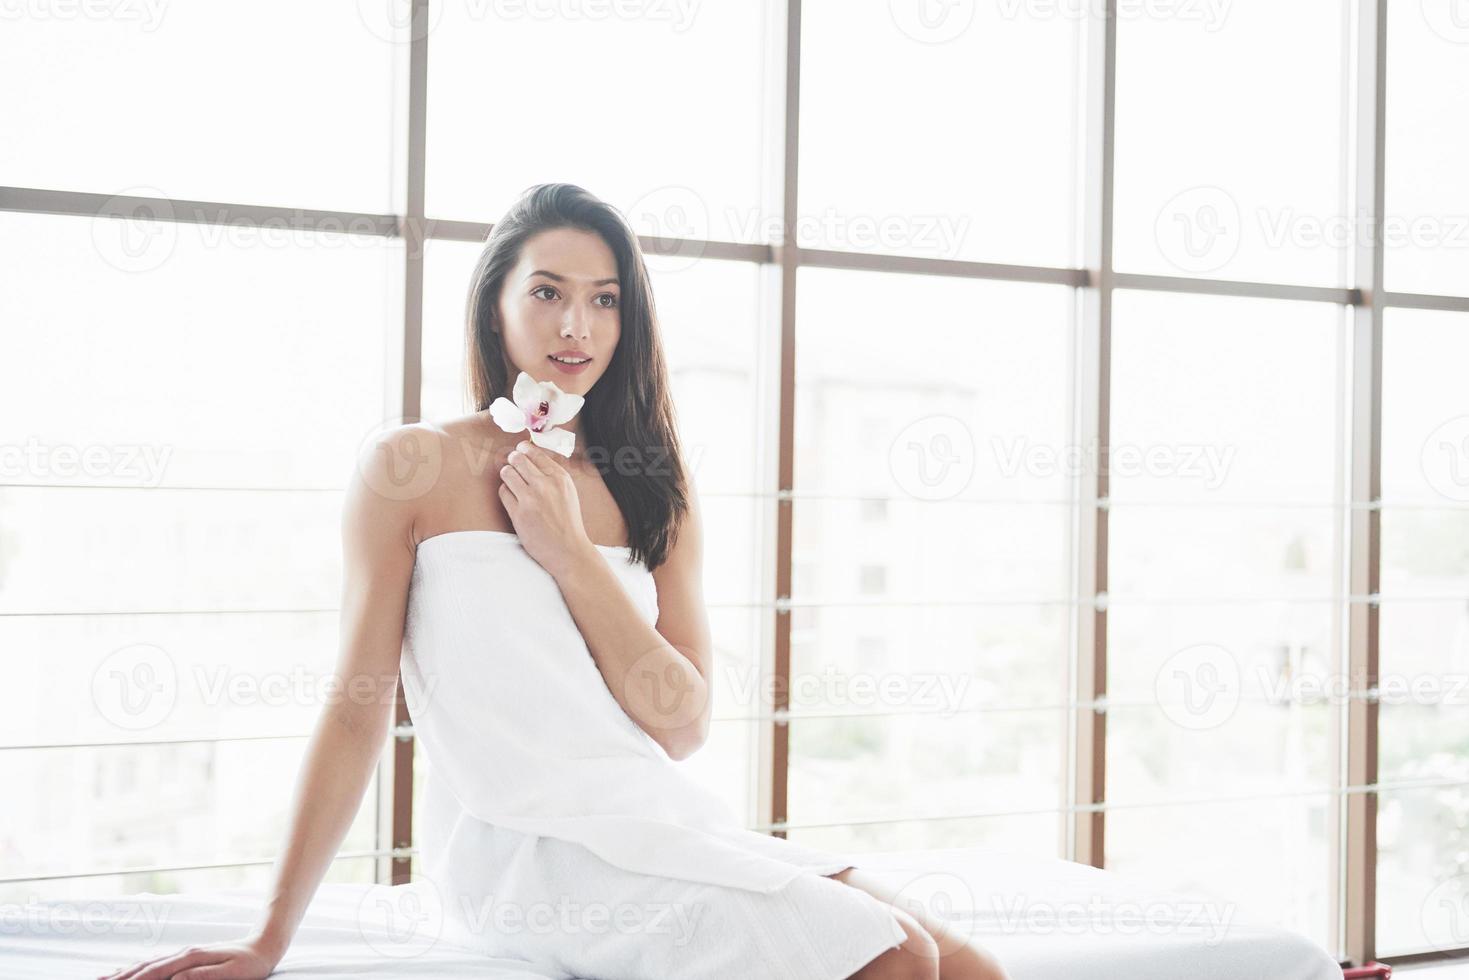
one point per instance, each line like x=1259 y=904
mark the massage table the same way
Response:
x=1044 y=918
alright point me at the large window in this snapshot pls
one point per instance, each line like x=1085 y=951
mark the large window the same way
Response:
x=179 y=404
x=1223 y=551
x=1075 y=391
x=929 y=634
x=1423 y=876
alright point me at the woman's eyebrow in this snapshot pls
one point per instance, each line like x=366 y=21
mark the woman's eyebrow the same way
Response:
x=552 y=275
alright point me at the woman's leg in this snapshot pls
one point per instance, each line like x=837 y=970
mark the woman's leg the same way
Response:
x=916 y=958
x=959 y=959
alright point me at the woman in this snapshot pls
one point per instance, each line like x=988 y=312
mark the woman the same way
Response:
x=553 y=671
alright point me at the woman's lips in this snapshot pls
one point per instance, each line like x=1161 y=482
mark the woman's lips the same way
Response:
x=569 y=368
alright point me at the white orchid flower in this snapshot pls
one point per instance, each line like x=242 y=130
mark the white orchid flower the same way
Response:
x=539 y=407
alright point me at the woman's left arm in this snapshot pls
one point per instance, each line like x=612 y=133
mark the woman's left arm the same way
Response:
x=662 y=676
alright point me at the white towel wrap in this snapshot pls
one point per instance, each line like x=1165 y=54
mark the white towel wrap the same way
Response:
x=517 y=721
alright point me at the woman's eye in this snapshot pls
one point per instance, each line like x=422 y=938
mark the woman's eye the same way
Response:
x=539 y=288
x=609 y=296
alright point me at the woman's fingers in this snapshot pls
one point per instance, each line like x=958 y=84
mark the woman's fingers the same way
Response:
x=149 y=970
x=532 y=459
x=200 y=963
x=165 y=968
x=145 y=970
x=508 y=499
x=513 y=480
x=219 y=969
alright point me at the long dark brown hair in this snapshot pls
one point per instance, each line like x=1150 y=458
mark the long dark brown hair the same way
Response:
x=628 y=425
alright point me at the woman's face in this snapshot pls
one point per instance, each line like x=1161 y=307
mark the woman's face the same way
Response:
x=562 y=298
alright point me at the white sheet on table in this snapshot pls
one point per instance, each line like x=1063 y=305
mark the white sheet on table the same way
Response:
x=349 y=931
x=1082 y=922
x=1047 y=919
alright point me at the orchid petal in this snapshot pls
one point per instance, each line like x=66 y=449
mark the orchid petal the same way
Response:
x=524 y=413
x=507 y=415
x=527 y=392
x=563 y=406
x=560 y=405
x=556 y=440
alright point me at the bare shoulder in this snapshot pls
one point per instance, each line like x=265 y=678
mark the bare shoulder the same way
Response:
x=397 y=474
x=395 y=471
x=465 y=458
x=475 y=447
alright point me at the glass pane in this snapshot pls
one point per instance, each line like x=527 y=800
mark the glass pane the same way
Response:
x=96 y=809
x=926 y=658
x=1424 y=686
x=922 y=553
x=1221 y=553
x=1425 y=552
x=1178 y=750
x=273 y=103
x=903 y=107
x=1421 y=727
x=715 y=339
x=658 y=109
x=447 y=267
x=1265 y=859
x=1427 y=173
x=925 y=765
x=195 y=355
x=1221 y=398
x=103 y=886
x=1202 y=90
x=742 y=633
x=168 y=550
x=1034 y=834
x=1204 y=658
x=1425 y=644
x=133 y=678
x=1423 y=868
x=1425 y=408
x=972 y=404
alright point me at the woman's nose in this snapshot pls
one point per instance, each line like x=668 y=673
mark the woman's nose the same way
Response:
x=576 y=325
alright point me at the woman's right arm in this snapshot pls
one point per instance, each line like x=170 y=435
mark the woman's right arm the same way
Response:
x=377 y=562
x=378 y=548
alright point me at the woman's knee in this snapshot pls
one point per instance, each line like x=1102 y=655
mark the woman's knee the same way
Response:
x=916 y=957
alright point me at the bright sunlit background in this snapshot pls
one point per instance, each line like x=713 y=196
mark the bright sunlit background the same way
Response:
x=181 y=403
